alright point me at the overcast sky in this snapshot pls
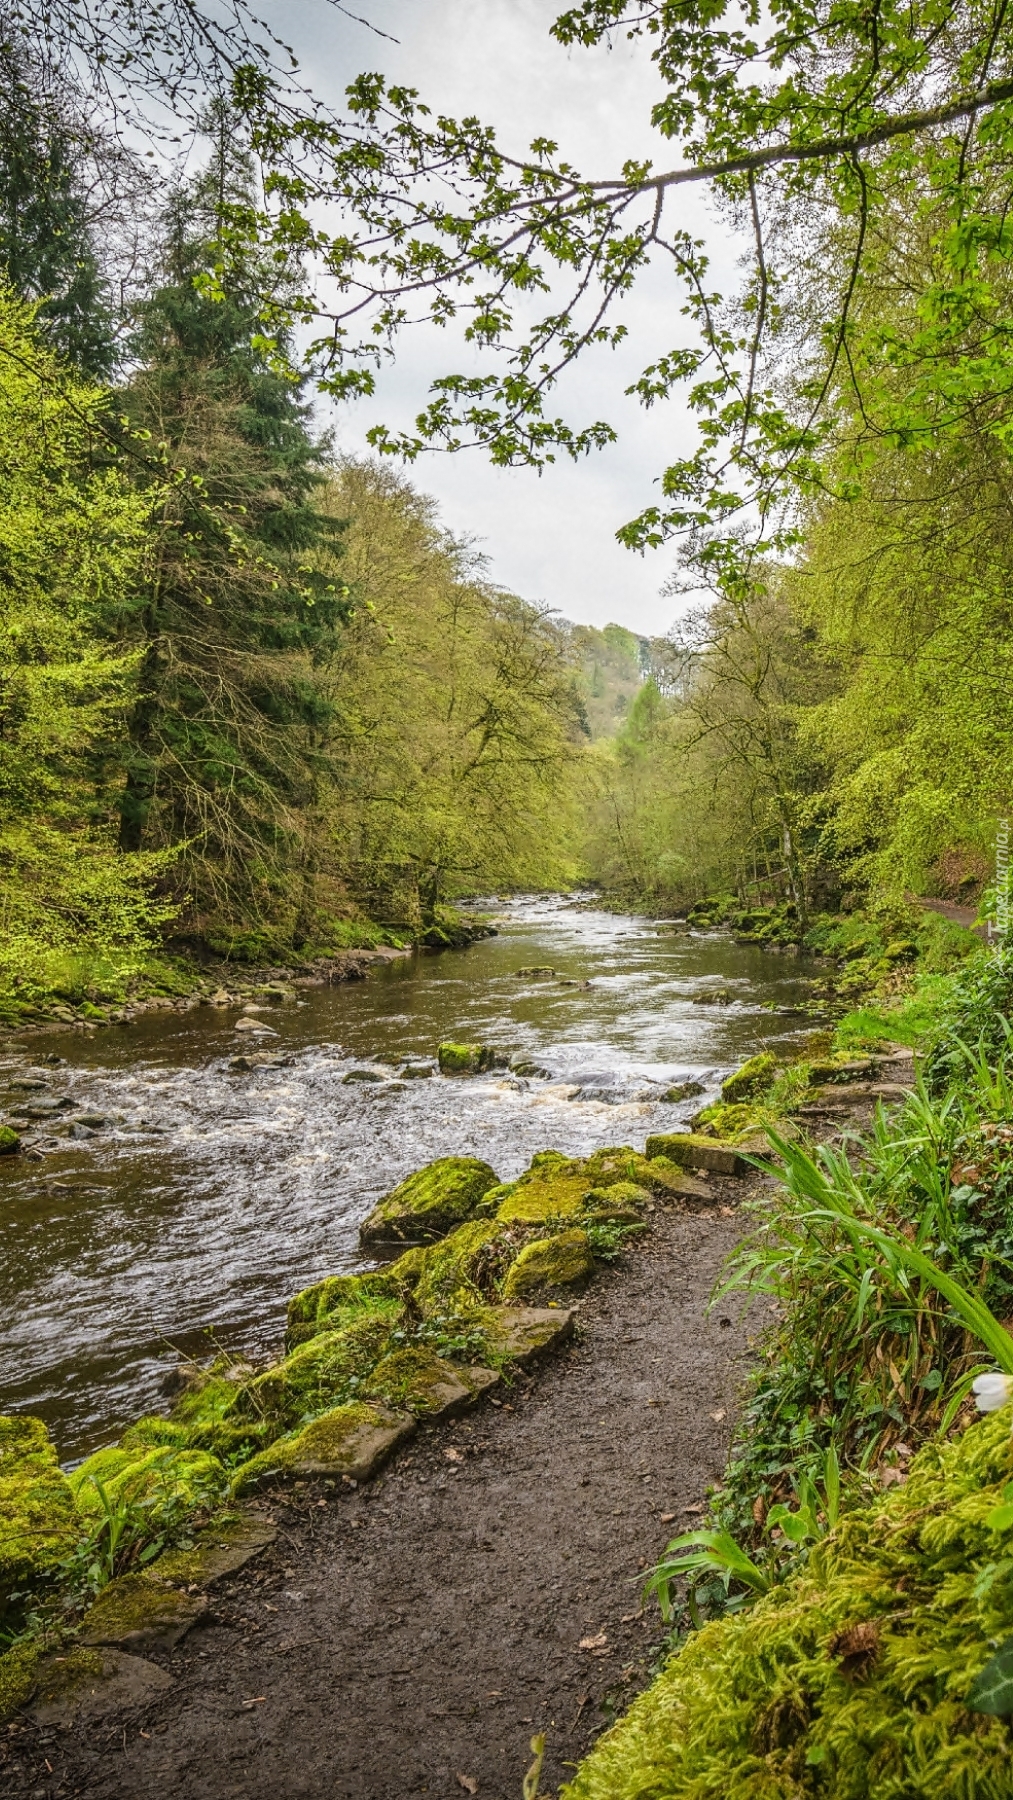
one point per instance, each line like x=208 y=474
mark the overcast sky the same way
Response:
x=550 y=537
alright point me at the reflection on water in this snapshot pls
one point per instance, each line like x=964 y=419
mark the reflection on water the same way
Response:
x=209 y=1197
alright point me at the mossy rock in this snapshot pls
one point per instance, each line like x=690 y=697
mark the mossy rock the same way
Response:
x=546 y=1191
x=89 y=1684
x=547 y=1264
x=692 y=1151
x=353 y=1440
x=624 y=1202
x=753 y=1078
x=18 y=1674
x=10 y=1142
x=845 y=1067
x=166 y=1480
x=431 y=1202
x=140 y=1613
x=39 y=1523
x=418 y=1381
x=682 y=1090
x=447 y=1277
x=468 y=1059
x=764 y=1702
x=228 y=1543
x=340 y=1300
x=729 y=1122
x=314 y=1377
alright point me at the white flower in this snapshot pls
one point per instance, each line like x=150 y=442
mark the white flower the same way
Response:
x=992 y=1391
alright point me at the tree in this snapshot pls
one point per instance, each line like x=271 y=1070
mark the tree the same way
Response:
x=73 y=535
x=46 y=239
x=244 y=605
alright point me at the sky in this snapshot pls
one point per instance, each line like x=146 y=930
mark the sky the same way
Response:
x=548 y=536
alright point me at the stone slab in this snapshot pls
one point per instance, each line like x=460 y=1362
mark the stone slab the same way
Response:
x=90 y=1684
x=525 y=1332
x=219 y=1551
x=693 y=1152
x=138 y=1613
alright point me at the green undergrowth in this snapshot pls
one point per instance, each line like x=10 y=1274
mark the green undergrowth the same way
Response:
x=852 y=1679
x=853 y=1575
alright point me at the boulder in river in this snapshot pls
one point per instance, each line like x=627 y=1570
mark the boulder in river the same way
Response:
x=430 y=1203
x=469 y=1059
x=361 y=1075
x=683 y=1090
x=10 y=1142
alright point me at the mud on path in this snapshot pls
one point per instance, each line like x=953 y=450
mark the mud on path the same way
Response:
x=418 y=1631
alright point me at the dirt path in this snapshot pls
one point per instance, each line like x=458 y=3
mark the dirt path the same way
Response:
x=420 y=1630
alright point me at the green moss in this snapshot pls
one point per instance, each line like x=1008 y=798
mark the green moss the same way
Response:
x=624 y=1200
x=61 y=1678
x=762 y=1705
x=728 y=1122
x=446 y=1276
x=564 y=1260
x=465 y=1059
x=155 y=1434
x=9 y=1140
x=415 y=1380
x=18 y=1672
x=332 y=1443
x=549 y=1191
x=431 y=1202
x=38 y=1518
x=161 y=1479
x=314 y=1377
x=340 y=1300
x=751 y=1080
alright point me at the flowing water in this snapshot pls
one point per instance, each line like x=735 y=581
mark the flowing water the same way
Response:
x=205 y=1197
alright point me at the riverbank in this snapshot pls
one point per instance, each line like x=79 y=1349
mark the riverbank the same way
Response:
x=398 y=1637
x=85 y=1000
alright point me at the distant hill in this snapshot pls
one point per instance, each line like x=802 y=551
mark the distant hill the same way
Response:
x=613 y=664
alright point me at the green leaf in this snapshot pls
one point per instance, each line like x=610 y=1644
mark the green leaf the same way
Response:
x=992 y=1690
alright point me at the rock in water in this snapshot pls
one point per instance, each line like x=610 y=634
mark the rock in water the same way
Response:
x=469 y=1059
x=430 y=1203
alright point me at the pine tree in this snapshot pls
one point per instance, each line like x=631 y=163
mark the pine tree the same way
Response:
x=46 y=241
x=246 y=604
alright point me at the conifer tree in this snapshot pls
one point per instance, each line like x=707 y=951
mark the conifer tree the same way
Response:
x=46 y=241
x=245 y=605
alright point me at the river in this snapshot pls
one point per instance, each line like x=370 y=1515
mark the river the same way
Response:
x=208 y=1197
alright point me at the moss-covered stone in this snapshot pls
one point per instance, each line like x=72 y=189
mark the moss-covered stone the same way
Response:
x=753 y=1078
x=18 y=1673
x=315 y=1376
x=519 y=1334
x=693 y=1152
x=466 y=1059
x=682 y=1090
x=140 y=1613
x=353 y=1440
x=562 y=1261
x=39 y=1524
x=228 y=1543
x=431 y=1202
x=548 y=1190
x=165 y=1480
x=340 y=1300
x=729 y=1122
x=418 y=1381
x=10 y=1142
x=624 y=1201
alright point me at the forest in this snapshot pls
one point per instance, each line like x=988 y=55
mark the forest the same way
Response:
x=263 y=704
